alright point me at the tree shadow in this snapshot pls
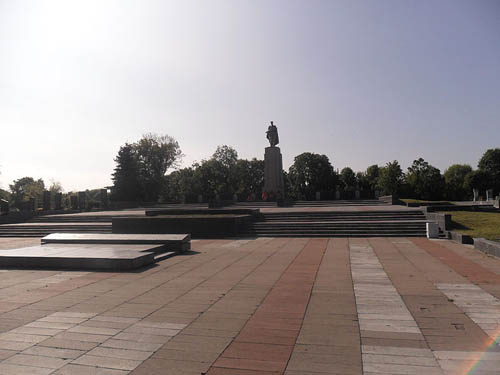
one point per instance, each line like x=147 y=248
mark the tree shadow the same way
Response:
x=456 y=225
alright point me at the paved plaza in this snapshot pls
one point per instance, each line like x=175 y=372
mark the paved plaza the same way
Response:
x=261 y=306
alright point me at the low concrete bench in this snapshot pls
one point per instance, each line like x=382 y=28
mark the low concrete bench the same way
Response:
x=172 y=242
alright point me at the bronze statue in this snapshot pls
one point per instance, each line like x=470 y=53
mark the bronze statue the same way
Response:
x=272 y=135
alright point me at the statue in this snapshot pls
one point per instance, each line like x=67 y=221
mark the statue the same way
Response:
x=272 y=135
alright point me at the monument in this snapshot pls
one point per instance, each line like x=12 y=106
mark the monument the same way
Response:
x=273 y=166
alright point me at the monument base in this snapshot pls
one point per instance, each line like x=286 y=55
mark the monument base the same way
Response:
x=273 y=172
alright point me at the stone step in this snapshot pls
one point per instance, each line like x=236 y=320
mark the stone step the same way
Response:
x=174 y=242
x=91 y=257
x=333 y=235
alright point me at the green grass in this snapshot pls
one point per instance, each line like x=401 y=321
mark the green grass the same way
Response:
x=423 y=202
x=477 y=224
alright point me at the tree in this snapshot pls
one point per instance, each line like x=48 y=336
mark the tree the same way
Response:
x=126 y=183
x=4 y=194
x=55 y=186
x=479 y=180
x=372 y=174
x=155 y=155
x=390 y=178
x=310 y=173
x=23 y=189
x=182 y=186
x=454 y=178
x=424 y=180
x=362 y=181
x=490 y=164
x=249 y=177
x=212 y=178
x=226 y=155
x=348 y=178
x=142 y=166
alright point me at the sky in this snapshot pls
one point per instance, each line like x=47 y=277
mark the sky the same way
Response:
x=363 y=82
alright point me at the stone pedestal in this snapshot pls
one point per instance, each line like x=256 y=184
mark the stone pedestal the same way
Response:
x=74 y=202
x=489 y=195
x=46 y=200
x=82 y=200
x=432 y=230
x=58 y=201
x=273 y=171
x=103 y=197
x=476 y=194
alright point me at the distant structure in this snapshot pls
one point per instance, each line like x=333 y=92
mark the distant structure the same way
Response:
x=274 y=187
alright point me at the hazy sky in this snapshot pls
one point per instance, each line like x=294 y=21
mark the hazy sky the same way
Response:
x=363 y=82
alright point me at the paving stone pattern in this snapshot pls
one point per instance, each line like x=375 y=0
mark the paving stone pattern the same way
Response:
x=266 y=306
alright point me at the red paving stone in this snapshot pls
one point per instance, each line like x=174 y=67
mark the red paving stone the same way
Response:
x=465 y=267
x=267 y=350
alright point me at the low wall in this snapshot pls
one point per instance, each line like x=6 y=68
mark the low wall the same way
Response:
x=201 y=226
x=472 y=207
x=460 y=238
x=443 y=220
x=487 y=246
x=390 y=199
x=202 y=211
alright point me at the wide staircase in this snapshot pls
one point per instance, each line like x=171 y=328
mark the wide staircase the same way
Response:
x=339 y=224
x=43 y=225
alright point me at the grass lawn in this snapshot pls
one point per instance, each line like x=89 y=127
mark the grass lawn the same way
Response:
x=477 y=224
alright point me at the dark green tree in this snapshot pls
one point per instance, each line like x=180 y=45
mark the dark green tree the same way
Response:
x=454 y=178
x=249 y=177
x=4 y=194
x=348 y=179
x=490 y=164
x=142 y=166
x=480 y=180
x=390 y=178
x=310 y=173
x=24 y=189
x=126 y=177
x=372 y=174
x=183 y=186
x=424 y=180
x=155 y=155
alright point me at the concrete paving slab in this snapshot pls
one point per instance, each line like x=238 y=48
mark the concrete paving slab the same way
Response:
x=267 y=306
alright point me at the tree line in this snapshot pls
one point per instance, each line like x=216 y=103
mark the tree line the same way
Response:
x=141 y=175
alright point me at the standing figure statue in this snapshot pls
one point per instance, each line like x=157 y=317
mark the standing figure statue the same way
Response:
x=272 y=135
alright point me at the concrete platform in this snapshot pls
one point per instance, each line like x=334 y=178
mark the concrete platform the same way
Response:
x=88 y=257
x=172 y=242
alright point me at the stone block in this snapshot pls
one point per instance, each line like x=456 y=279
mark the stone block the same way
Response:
x=46 y=200
x=58 y=201
x=461 y=238
x=199 y=226
x=74 y=202
x=103 y=197
x=172 y=242
x=432 y=230
x=92 y=257
x=82 y=200
x=487 y=246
